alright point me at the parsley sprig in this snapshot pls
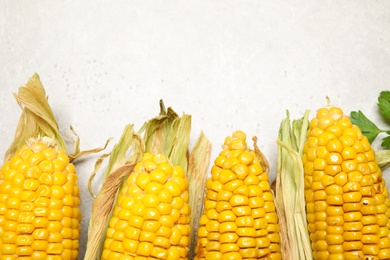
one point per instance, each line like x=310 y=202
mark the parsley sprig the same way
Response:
x=371 y=130
x=368 y=128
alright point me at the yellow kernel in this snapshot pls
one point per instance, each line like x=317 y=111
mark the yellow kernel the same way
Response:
x=349 y=166
x=212 y=226
x=335 y=200
x=352 y=216
x=334 y=189
x=255 y=169
x=246 y=157
x=327 y=180
x=351 y=186
x=334 y=211
x=224 y=195
x=229 y=248
x=173 y=188
x=349 y=207
x=227 y=227
x=352 y=197
x=334 y=158
x=144 y=248
x=319 y=164
x=325 y=138
x=223 y=205
x=147 y=236
x=230 y=162
x=238 y=200
x=318 y=175
x=142 y=180
x=246 y=242
x=334 y=145
x=335 y=220
x=226 y=215
x=332 y=170
x=353 y=226
x=228 y=238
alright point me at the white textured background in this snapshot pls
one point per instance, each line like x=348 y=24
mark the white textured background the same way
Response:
x=230 y=64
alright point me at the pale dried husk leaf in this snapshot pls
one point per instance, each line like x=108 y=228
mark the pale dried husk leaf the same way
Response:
x=383 y=158
x=38 y=120
x=197 y=175
x=289 y=199
x=168 y=134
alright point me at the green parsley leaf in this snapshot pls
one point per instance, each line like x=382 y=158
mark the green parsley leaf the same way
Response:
x=384 y=104
x=386 y=142
x=368 y=128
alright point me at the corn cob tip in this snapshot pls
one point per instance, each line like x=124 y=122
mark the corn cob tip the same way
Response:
x=237 y=141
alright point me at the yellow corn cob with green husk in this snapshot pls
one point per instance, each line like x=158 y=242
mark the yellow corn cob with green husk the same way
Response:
x=39 y=196
x=146 y=205
x=151 y=218
x=239 y=220
x=347 y=202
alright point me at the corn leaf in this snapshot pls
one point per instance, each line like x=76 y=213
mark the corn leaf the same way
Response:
x=181 y=140
x=199 y=160
x=168 y=134
x=156 y=131
x=290 y=201
x=37 y=118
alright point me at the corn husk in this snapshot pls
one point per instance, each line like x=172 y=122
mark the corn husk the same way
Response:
x=37 y=121
x=383 y=158
x=166 y=133
x=37 y=118
x=197 y=169
x=290 y=201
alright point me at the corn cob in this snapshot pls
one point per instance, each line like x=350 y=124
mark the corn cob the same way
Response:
x=239 y=219
x=346 y=197
x=152 y=215
x=39 y=204
x=39 y=196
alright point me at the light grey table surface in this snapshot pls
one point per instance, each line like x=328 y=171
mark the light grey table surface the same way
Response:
x=230 y=64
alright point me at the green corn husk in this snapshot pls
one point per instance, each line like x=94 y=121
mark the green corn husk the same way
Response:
x=166 y=133
x=290 y=201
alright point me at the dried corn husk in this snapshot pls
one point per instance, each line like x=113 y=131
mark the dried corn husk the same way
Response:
x=37 y=120
x=197 y=169
x=290 y=201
